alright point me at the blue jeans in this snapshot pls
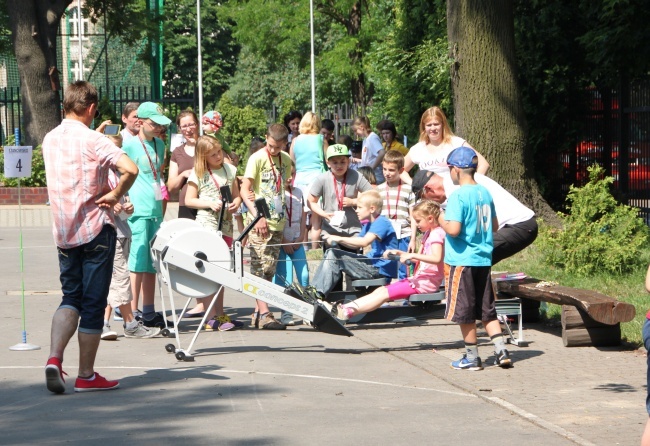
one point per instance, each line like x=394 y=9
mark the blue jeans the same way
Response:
x=284 y=273
x=646 y=342
x=85 y=274
x=336 y=261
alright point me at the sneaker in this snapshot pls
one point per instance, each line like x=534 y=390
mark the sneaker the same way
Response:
x=268 y=322
x=117 y=315
x=157 y=321
x=465 y=364
x=216 y=324
x=98 y=383
x=226 y=318
x=255 y=320
x=108 y=334
x=503 y=359
x=141 y=331
x=137 y=314
x=54 y=376
x=342 y=312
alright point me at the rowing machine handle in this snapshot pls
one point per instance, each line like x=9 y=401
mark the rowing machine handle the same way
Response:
x=262 y=208
x=226 y=195
x=395 y=257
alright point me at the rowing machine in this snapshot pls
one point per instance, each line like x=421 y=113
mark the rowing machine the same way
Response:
x=196 y=262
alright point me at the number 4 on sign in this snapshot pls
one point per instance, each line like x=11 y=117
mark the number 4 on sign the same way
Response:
x=18 y=161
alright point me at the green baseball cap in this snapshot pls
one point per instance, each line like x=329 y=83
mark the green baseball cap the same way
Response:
x=337 y=150
x=151 y=110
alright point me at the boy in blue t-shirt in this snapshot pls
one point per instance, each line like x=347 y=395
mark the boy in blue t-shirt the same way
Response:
x=469 y=221
x=378 y=233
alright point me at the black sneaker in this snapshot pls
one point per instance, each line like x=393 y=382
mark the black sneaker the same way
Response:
x=502 y=359
x=157 y=321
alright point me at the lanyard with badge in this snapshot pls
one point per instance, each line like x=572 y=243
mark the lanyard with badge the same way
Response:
x=157 y=191
x=278 y=199
x=397 y=226
x=337 y=218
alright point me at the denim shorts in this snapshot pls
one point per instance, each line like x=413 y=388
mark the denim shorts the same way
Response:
x=85 y=274
x=646 y=342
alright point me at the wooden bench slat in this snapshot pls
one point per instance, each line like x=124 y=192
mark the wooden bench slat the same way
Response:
x=598 y=306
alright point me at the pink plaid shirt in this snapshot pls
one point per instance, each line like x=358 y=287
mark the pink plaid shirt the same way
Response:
x=77 y=161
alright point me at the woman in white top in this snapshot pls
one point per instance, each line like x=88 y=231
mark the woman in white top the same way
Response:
x=372 y=152
x=436 y=142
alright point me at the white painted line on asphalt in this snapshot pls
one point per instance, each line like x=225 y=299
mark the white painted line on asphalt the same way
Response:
x=13 y=248
x=289 y=375
x=539 y=421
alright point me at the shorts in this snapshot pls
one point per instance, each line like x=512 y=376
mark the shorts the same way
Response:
x=85 y=274
x=400 y=289
x=469 y=294
x=143 y=231
x=264 y=257
x=120 y=291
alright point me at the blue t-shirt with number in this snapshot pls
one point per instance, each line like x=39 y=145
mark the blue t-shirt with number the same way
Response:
x=386 y=239
x=472 y=206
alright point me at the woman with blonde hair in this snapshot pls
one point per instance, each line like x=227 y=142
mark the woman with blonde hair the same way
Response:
x=308 y=153
x=436 y=142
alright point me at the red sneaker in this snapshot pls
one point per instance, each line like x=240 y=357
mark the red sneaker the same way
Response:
x=98 y=383
x=54 y=376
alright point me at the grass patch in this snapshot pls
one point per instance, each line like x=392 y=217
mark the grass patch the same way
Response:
x=628 y=288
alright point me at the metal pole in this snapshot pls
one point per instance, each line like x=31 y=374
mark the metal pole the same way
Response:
x=200 y=61
x=80 y=33
x=313 y=76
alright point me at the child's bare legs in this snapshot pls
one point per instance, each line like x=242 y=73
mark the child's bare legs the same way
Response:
x=367 y=303
x=217 y=309
x=315 y=230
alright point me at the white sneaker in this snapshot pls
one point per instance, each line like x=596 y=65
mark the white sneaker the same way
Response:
x=108 y=334
x=141 y=331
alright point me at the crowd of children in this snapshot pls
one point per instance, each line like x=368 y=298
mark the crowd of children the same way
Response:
x=361 y=204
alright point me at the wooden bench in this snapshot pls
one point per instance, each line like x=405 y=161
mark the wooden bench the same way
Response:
x=589 y=318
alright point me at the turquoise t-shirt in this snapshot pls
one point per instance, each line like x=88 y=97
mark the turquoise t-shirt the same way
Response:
x=142 y=192
x=472 y=206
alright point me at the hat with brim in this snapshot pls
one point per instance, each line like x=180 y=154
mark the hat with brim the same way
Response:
x=337 y=150
x=420 y=180
x=151 y=110
x=463 y=157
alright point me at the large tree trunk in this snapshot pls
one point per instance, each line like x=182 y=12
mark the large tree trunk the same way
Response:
x=34 y=25
x=487 y=103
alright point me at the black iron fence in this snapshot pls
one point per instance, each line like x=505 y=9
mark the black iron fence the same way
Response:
x=118 y=97
x=616 y=135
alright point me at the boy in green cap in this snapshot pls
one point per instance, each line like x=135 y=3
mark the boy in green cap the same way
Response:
x=338 y=189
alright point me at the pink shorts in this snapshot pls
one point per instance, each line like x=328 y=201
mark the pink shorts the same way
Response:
x=400 y=290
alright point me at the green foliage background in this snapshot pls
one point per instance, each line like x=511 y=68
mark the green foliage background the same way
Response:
x=598 y=235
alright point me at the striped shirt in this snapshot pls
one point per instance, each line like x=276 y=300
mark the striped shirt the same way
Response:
x=398 y=207
x=77 y=161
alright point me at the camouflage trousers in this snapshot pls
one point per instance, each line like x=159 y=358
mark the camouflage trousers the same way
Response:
x=264 y=258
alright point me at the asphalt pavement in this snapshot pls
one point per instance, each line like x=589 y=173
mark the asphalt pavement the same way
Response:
x=388 y=384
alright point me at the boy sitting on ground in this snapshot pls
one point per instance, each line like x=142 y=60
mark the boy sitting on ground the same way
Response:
x=377 y=233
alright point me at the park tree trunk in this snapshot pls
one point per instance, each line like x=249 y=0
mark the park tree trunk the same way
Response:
x=34 y=25
x=488 y=110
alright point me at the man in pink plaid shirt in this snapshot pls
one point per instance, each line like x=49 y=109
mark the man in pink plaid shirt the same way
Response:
x=77 y=161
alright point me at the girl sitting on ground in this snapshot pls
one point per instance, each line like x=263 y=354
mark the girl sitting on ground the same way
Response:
x=209 y=175
x=429 y=269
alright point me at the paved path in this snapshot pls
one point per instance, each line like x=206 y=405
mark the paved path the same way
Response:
x=389 y=384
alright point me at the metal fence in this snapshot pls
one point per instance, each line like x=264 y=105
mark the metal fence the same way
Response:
x=118 y=97
x=616 y=135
